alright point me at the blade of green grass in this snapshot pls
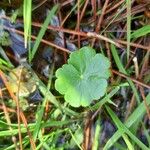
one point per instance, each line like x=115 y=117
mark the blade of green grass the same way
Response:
x=133 y=118
x=3 y=62
x=146 y=133
x=15 y=132
x=43 y=144
x=119 y=146
x=123 y=129
x=141 y=32
x=105 y=99
x=96 y=140
x=122 y=69
x=50 y=136
x=7 y=62
x=76 y=140
x=40 y=112
x=128 y=143
x=53 y=123
x=42 y=31
x=27 y=12
x=42 y=141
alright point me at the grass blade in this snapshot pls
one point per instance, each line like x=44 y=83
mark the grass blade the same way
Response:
x=97 y=135
x=27 y=11
x=42 y=31
x=40 y=112
x=134 y=117
x=123 y=129
x=121 y=69
x=141 y=32
x=128 y=143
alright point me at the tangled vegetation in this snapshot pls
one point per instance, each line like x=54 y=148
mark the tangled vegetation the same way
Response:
x=74 y=74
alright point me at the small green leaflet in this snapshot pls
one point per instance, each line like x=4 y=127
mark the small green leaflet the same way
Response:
x=84 y=78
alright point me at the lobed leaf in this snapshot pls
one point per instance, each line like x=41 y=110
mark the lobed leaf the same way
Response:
x=84 y=78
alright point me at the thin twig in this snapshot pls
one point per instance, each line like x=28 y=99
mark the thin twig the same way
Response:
x=8 y=120
x=98 y=26
x=131 y=78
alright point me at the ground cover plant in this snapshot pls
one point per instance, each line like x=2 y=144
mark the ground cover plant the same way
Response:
x=75 y=75
x=84 y=78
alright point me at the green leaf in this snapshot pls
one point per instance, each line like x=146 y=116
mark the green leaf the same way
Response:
x=84 y=78
x=27 y=13
x=141 y=32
